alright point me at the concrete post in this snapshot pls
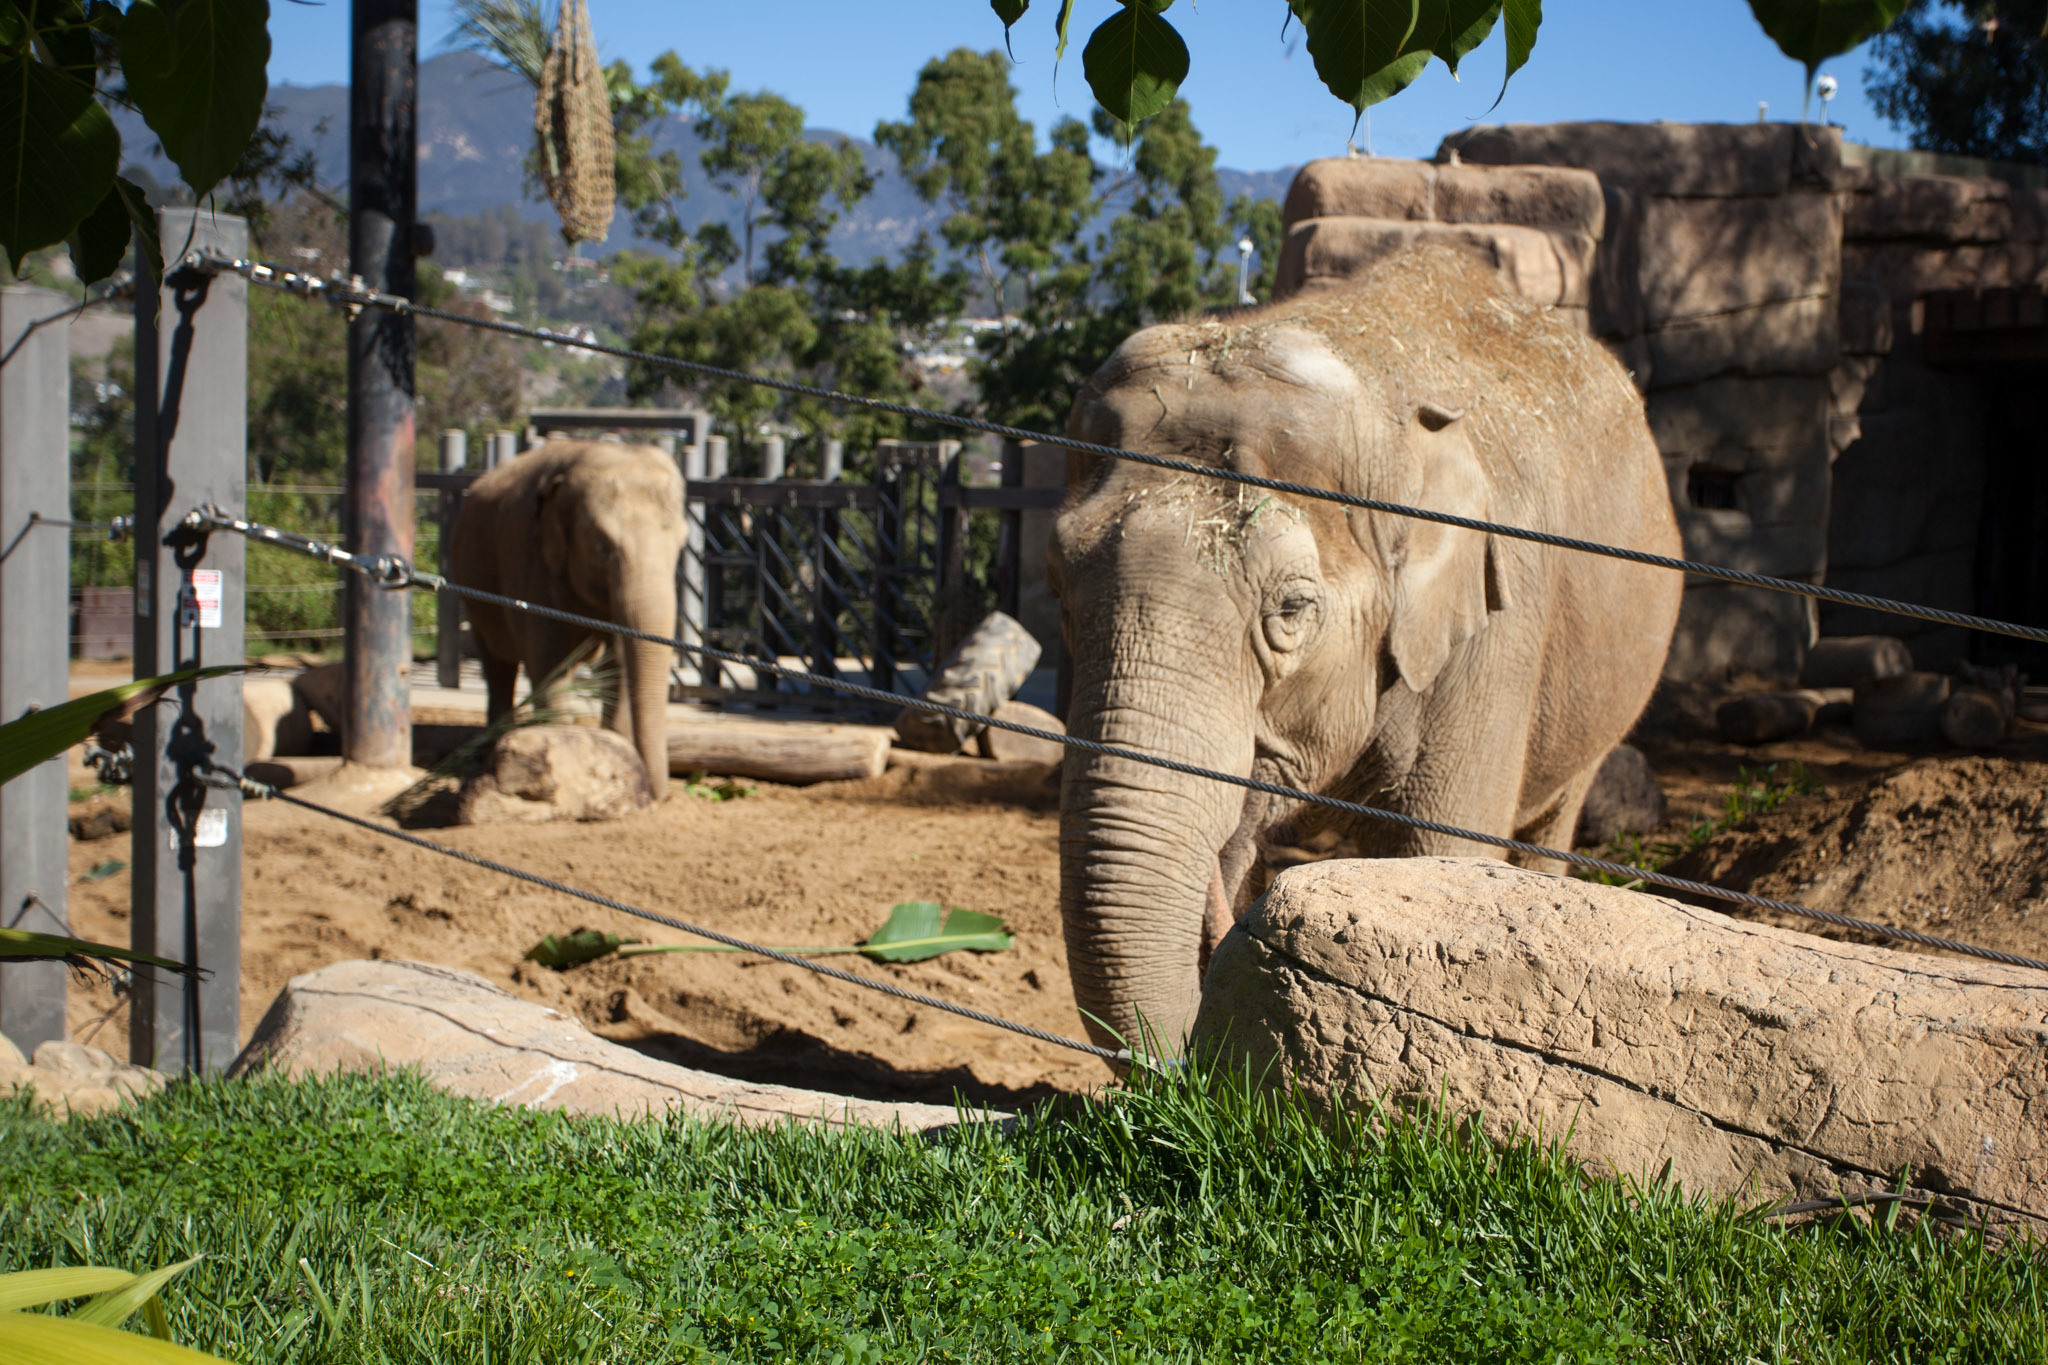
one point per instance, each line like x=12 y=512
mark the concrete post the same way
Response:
x=717 y=453
x=191 y=383
x=378 y=517
x=691 y=607
x=832 y=465
x=774 y=458
x=34 y=668
x=447 y=606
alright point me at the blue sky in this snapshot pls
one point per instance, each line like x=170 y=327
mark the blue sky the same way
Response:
x=1255 y=96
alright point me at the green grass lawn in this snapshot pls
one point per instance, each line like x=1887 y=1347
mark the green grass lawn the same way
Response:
x=359 y=1220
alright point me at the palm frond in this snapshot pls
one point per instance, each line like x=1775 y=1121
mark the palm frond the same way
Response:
x=513 y=33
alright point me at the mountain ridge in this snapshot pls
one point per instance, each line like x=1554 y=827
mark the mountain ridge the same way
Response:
x=476 y=124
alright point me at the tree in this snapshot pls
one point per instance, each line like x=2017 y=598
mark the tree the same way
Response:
x=1073 y=265
x=798 y=313
x=1968 y=77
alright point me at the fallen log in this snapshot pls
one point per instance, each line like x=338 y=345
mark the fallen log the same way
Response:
x=795 y=752
x=1762 y=717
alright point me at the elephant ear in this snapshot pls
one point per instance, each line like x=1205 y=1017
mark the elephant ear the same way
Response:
x=551 y=515
x=1445 y=577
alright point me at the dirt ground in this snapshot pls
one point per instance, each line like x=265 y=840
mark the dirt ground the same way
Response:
x=1953 y=844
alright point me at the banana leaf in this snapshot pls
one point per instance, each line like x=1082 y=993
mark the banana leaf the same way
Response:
x=39 y=1339
x=89 y=1335
x=915 y=931
x=41 y=735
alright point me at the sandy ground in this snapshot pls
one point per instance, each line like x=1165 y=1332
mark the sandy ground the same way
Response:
x=785 y=866
x=1949 y=843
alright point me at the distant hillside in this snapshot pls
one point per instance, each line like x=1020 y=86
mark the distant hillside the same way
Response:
x=475 y=126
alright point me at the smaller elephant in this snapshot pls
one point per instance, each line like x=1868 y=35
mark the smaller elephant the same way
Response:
x=593 y=527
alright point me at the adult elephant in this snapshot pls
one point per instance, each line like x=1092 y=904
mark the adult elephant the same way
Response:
x=1425 y=669
x=592 y=527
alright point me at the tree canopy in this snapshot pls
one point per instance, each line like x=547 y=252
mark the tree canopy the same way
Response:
x=195 y=71
x=1968 y=77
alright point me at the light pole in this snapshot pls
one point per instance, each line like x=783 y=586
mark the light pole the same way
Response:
x=1244 y=271
x=1825 y=87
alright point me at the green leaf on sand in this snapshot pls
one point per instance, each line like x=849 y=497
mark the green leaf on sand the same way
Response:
x=920 y=929
x=915 y=930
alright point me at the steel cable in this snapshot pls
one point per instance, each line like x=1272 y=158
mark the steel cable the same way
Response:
x=347 y=295
x=249 y=786
x=394 y=572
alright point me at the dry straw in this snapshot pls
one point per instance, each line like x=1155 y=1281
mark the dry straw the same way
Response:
x=573 y=116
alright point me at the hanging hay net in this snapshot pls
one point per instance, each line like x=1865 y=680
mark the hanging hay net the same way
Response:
x=573 y=116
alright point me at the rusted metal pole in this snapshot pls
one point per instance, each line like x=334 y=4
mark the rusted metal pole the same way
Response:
x=378 y=512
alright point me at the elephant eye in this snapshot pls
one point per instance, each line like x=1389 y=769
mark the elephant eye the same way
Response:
x=1291 y=619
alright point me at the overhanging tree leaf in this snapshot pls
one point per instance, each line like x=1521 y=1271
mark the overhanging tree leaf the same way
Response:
x=1521 y=19
x=1134 y=63
x=1811 y=31
x=1009 y=11
x=1066 y=16
x=1368 y=50
x=1466 y=24
x=149 y=251
x=58 y=153
x=101 y=238
x=920 y=929
x=196 y=71
x=41 y=735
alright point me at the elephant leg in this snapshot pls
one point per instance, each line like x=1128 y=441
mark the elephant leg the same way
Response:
x=618 y=714
x=553 y=649
x=500 y=673
x=1555 y=825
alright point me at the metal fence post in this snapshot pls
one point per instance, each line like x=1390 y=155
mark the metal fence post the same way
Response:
x=447 y=606
x=383 y=192
x=191 y=381
x=949 y=623
x=34 y=670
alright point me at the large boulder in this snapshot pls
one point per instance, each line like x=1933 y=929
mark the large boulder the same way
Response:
x=1745 y=1060
x=471 y=1038
x=556 y=772
x=71 y=1079
x=1624 y=798
x=276 y=720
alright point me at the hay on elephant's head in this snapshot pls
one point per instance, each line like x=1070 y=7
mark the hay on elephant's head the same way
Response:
x=573 y=116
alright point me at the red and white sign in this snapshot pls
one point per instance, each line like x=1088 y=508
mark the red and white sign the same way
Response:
x=202 y=598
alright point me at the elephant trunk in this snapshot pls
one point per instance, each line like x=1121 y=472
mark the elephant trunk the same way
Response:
x=647 y=601
x=1139 y=852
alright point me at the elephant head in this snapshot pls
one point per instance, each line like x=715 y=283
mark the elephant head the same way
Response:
x=610 y=526
x=1254 y=634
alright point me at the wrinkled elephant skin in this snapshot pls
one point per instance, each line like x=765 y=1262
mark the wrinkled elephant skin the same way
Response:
x=592 y=527
x=1432 y=670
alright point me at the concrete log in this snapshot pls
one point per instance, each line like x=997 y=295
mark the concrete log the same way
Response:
x=1976 y=717
x=794 y=752
x=1762 y=717
x=1360 y=187
x=1750 y=1062
x=1553 y=198
x=1846 y=660
x=1901 y=709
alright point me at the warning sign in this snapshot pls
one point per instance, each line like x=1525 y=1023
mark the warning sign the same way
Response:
x=201 y=599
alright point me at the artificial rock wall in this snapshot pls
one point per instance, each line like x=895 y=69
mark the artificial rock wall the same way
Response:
x=1719 y=284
